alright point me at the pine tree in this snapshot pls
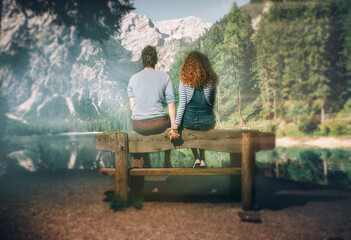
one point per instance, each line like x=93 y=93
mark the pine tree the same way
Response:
x=269 y=64
x=212 y=49
x=345 y=58
x=237 y=55
x=317 y=31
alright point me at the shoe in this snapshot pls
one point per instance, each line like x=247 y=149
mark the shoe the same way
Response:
x=196 y=163
x=203 y=164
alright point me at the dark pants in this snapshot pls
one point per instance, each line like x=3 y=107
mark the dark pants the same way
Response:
x=151 y=126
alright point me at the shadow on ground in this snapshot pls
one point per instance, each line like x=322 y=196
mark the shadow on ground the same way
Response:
x=270 y=193
x=277 y=194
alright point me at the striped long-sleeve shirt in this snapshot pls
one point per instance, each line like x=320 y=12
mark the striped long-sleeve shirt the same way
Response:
x=185 y=95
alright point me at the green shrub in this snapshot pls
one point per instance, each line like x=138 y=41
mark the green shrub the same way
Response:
x=347 y=107
x=290 y=130
x=297 y=112
x=335 y=128
x=303 y=115
x=324 y=130
x=118 y=204
x=271 y=127
x=280 y=133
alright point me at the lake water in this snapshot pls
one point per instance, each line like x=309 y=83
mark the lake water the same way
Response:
x=77 y=151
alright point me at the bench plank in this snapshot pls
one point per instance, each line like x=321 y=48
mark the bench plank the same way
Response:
x=176 y=171
x=215 y=140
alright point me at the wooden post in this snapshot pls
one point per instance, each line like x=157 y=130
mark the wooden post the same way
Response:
x=325 y=168
x=235 y=180
x=248 y=171
x=121 y=163
x=277 y=169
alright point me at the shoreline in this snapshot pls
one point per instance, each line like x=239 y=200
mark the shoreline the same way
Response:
x=315 y=142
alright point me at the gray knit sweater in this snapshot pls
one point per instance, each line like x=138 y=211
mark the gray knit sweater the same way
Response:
x=150 y=89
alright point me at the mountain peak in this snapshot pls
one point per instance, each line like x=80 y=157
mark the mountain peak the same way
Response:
x=137 y=31
x=191 y=26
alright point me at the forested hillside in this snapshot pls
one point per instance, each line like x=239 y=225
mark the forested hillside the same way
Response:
x=288 y=73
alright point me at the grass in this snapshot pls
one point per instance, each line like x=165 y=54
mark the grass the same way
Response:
x=118 y=204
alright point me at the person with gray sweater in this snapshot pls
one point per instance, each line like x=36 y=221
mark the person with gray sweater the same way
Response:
x=148 y=90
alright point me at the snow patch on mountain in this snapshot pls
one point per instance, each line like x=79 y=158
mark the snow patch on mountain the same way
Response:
x=137 y=31
x=189 y=28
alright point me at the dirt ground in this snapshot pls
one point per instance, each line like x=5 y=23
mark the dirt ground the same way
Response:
x=69 y=205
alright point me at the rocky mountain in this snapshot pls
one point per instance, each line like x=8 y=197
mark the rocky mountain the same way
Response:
x=168 y=36
x=50 y=76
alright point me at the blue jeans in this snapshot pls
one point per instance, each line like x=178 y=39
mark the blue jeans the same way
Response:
x=199 y=119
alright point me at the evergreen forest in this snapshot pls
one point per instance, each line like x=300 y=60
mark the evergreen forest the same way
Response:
x=283 y=66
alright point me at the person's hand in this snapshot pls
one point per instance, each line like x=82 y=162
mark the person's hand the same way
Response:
x=175 y=138
x=173 y=134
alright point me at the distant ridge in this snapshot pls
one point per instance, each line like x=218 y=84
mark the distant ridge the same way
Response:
x=168 y=36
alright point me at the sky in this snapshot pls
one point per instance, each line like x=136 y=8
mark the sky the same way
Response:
x=208 y=10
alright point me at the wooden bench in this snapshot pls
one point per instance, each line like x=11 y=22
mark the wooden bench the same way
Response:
x=241 y=144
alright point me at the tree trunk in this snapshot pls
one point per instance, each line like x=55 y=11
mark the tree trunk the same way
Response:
x=0 y=16
x=267 y=100
x=322 y=114
x=274 y=106
x=219 y=106
x=242 y=123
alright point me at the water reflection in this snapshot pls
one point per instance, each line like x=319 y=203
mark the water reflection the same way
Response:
x=321 y=166
x=77 y=151
x=74 y=151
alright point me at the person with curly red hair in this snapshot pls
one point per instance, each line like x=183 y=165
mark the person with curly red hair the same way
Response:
x=197 y=92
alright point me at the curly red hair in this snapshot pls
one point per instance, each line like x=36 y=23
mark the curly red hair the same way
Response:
x=196 y=71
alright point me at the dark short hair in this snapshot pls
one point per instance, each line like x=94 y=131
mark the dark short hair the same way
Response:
x=149 y=56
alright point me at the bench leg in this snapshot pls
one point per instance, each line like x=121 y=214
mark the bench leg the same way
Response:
x=248 y=171
x=235 y=180
x=167 y=163
x=137 y=161
x=137 y=185
x=121 y=166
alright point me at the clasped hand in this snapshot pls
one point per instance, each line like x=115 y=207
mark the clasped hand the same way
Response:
x=173 y=135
